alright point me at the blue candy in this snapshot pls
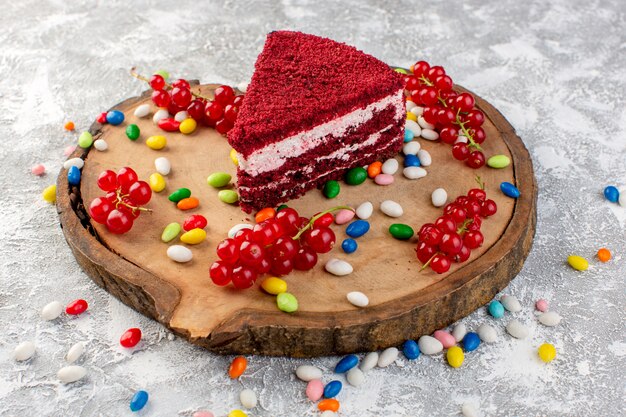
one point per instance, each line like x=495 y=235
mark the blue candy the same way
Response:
x=471 y=341
x=115 y=117
x=332 y=389
x=411 y=161
x=357 y=228
x=73 y=175
x=349 y=245
x=139 y=400
x=509 y=190
x=611 y=193
x=347 y=363
x=408 y=135
x=411 y=350
x=496 y=309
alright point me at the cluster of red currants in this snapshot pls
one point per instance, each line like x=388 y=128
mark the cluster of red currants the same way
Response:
x=453 y=115
x=125 y=194
x=277 y=245
x=219 y=113
x=455 y=234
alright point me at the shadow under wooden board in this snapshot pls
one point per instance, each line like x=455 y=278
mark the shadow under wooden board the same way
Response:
x=405 y=302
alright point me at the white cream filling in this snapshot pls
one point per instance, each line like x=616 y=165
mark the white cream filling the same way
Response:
x=276 y=154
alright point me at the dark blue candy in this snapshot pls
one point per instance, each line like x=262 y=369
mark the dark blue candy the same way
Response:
x=471 y=341
x=73 y=175
x=349 y=245
x=138 y=401
x=612 y=194
x=509 y=190
x=357 y=228
x=411 y=350
x=411 y=161
x=115 y=117
x=332 y=389
x=347 y=363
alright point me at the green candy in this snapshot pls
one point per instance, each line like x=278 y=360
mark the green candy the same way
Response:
x=331 y=189
x=228 y=196
x=163 y=74
x=132 y=131
x=179 y=194
x=218 y=179
x=170 y=232
x=356 y=176
x=401 y=231
x=499 y=161
x=85 y=140
x=401 y=70
x=281 y=207
x=287 y=302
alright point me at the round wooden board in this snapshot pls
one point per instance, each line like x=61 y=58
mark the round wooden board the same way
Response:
x=404 y=302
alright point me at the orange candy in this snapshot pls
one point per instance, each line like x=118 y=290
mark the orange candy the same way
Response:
x=237 y=367
x=604 y=255
x=264 y=214
x=188 y=203
x=69 y=126
x=374 y=169
x=328 y=404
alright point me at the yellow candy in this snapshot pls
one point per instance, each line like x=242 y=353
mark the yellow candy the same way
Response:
x=233 y=156
x=237 y=413
x=411 y=116
x=578 y=262
x=156 y=142
x=50 y=194
x=274 y=286
x=187 y=126
x=156 y=182
x=455 y=356
x=193 y=237
x=547 y=352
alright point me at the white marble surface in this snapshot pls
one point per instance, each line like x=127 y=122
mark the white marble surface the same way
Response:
x=554 y=68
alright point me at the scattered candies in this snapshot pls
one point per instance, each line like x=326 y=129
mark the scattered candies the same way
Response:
x=237 y=413
x=411 y=350
x=411 y=161
x=233 y=157
x=85 y=140
x=101 y=145
x=356 y=176
x=247 y=397
x=308 y=373
x=139 y=401
x=384 y=179
x=203 y=413
x=411 y=148
x=329 y=404
x=365 y=210
x=414 y=173
x=75 y=352
x=142 y=111
x=499 y=161
x=162 y=165
x=51 y=311
x=343 y=216
x=102 y=118
x=391 y=208
x=169 y=124
x=459 y=332
x=358 y=299
x=49 y=194
x=287 y=302
x=69 y=150
x=24 y=351
x=218 y=179
x=374 y=169
x=469 y=410
x=358 y=228
x=170 y=232
x=188 y=203
x=439 y=197
x=471 y=341
x=331 y=189
x=487 y=333
x=156 y=182
x=604 y=255
x=38 y=170
x=401 y=231
x=156 y=142
x=390 y=166
x=349 y=245
x=130 y=337
x=76 y=307
x=511 y=303
x=195 y=221
x=73 y=176
x=179 y=194
x=132 y=132
x=369 y=361
x=179 y=253
x=455 y=356
x=446 y=339
x=274 y=285
x=547 y=352
x=237 y=367
x=338 y=267
x=77 y=162
x=509 y=190
x=387 y=357
x=187 y=126
x=429 y=345
x=332 y=389
x=71 y=374
x=541 y=305
x=355 y=377
x=517 y=329
x=425 y=159
x=611 y=193
x=346 y=363
x=159 y=115
x=496 y=309
x=228 y=196
x=578 y=262
x=264 y=214
x=115 y=117
x=69 y=125
x=550 y=319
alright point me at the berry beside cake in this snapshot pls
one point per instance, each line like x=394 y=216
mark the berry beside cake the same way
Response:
x=314 y=109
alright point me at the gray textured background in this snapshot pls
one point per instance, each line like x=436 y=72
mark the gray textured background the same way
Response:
x=554 y=68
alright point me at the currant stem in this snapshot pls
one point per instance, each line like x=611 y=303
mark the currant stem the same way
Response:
x=134 y=73
x=480 y=182
x=122 y=203
x=317 y=216
x=428 y=262
x=463 y=227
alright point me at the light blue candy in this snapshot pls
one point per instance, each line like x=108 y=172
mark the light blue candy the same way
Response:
x=471 y=341
x=611 y=193
x=349 y=245
x=408 y=135
x=496 y=309
x=509 y=190
x=411 y=161
x=411 y=350
x=347 y=363
x=357 y=228
x=138 y=401
x=73 y=175
x=332 y=389
x=115 y=117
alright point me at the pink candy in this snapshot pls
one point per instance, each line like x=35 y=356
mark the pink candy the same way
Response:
x=314 y=390
x=344 y=216
x=446 y=339
x=69 y=150
x=541 y=305
x=383 y=179
x=38 y=170
x=203 y=414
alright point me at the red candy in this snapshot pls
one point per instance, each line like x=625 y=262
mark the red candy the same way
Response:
x=195 y=221
x=76 y=307
x=130 y=337
x=169 y=124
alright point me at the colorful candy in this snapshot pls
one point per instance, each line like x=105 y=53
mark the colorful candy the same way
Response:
x=156 y=182
x=237 y=367
x=387 y=357
x=331 y=189
x=274 y=285
x=76 y=307
x=237 y=413
x=329 y=404
x=71 y=374
x=343 y=216
x=358 y=228
x=578 y=262
x=446 y=339
x=85 y=140
x=115 y=117
x=496 y=309
x=73 y=176
x=132 y=132
x=499 y=161
x=218 y=179
x=346 y=363
x=264 y=214
x=411 y=161
x=391 y=208
x=139 y=401
x=604 y=255
x=51 y=311
x=611 y=193
x=49 y=194
x=170 y=232
x=228 y=196
x=356 y=176
x=24 y=351
x=156 y=142
x=429 y=345
x=179 y=253
x=384 y=179
x=188 y=203
x=338 y=267
x=193 y=237
x=332 y=389
x=159 y=115
x=439 y=197
x=509 y=190
x=75 y=352
x=233 y=157
x=547 y=352
x=541 y=305
x=455 y=356
x=287 y=302
x=187 y=126
x=179 y=194
x=401 y=231
x=69 y=126
x=471 y=341
x=195 y=221
x=358 y=299
x=374 y=169
x=308 y=373
x=130 y=337
x=411 y=349
x=38 y=170
x=349 y=245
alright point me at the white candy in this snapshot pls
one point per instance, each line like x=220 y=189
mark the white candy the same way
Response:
x=365 y=210
x=355 y=377
x=74 y=162
x=424 y=157
x=391 y=208
x=101 y=145
x=387 y=357
x=24 y=351
x=142 y=111
x=163 y=165
x=413 y=127
x=369 y=361
x=550 y=319
x=622 y=197
x=338 y=267
x=160 y=114
x=459 y=332
x=411 y=148
x=52 y=310
x=469 y=410
x=181 y=115
x=327 y=413
x=75 y=352
x=390 y=166
x=410 y=105
x=414 y=173
x=417 y=110
x=242 y=86
x=358 y=299
x=517 y=329
x=71 y=374
x=308 y=373
x=439 y=197
x=487 y=333
x=179 y=253
x=424 y=124
x=247 y=397
x=429 y=345
x=233 y=230
x=429 y=134
x=511 y=303
x=461 y=139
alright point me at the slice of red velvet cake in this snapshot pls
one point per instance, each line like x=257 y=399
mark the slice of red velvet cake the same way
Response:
x=314 y=109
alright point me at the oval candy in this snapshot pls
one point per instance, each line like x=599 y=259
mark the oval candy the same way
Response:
x=139 y=400
x=471 y=341
x=338 y=267
x=511 y=303
x=425 y=159
x=517 y=329
x=101 y=145
x=132 y=132
x=459 y=332
x=611 y=193
x=346 y=363
x=509 y=190
x=349 y=245
x=439 y=197
x=496 y=309
x=218 y=179
x=355 y=377
x=455 y=356
x=73 y=176
x=156 y=142
x=414 y=173
x=156 y=182
x=429 y=345
x=390 y=166
x=308 y=373
x=387 y=357
x=247 y=397
x=287 y=302
x=314 y=390
x=115 y=117
x=331 y=189
x=179 y=253
x=85 y=140
x=162 y=165
x=365 y=210
x=52 y=310
x=75 y=352
x=445 y=338
x=356 y=176
x=332 y=389
x=142 y=111
x=179 y=194
x=487 y=333
x=550 y=318
x=193 y=237
x=369 y=361
x=578 y=262
x=401 y=231
x=228 y=196
x=391 y=208
x=24 y=351
x=358 y=228
x=274 y=285
x=170 y=232
x=71 y=373
x=411 y=350
x=499 y=161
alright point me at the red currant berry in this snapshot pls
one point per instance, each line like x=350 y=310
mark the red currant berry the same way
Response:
x=475 y=118
x=174 y=108
x=463 y=254
x=214 y=111
x=412 y=83
x=284 y=248
x=157 y=82
x=223 y=126
x=473 y=239
x=451 y=243
x=195 y=221
x=444 y=83
x=263 y=267
x=472 y=207
x=119 y=222
x=224 y=95
x=125 y=178
x=230 y=113
x=220 y=273
x=228 y=250
x=244 y=235
x=429 y=234
x=435 y=72
x=440 y=263
x=475 y=224
x=107 y=180
x=449 y=134
x=76 y=307
x=238 y=100
x=305 y=259
x=446 y=116
x=129 y=209
x=477 y=193
x=243 y=277
x=140 y=193
x=464 y=102
x=181 y=96
x=446 y=224
x=420 y=68
x=160 y=98
x=430 y=114
x=488 y=208
x=321 y=239
x=281 y=267
x=130 y=337
x=475 y=160
x=478 y=134
x=427 y=95
x=459 y=214
x=181 y=84
x=251 y=253
x=288 y=219
x=99 y=209
x=196 y=109
x=461 y=200
x=425 y=251
x=323 y=221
